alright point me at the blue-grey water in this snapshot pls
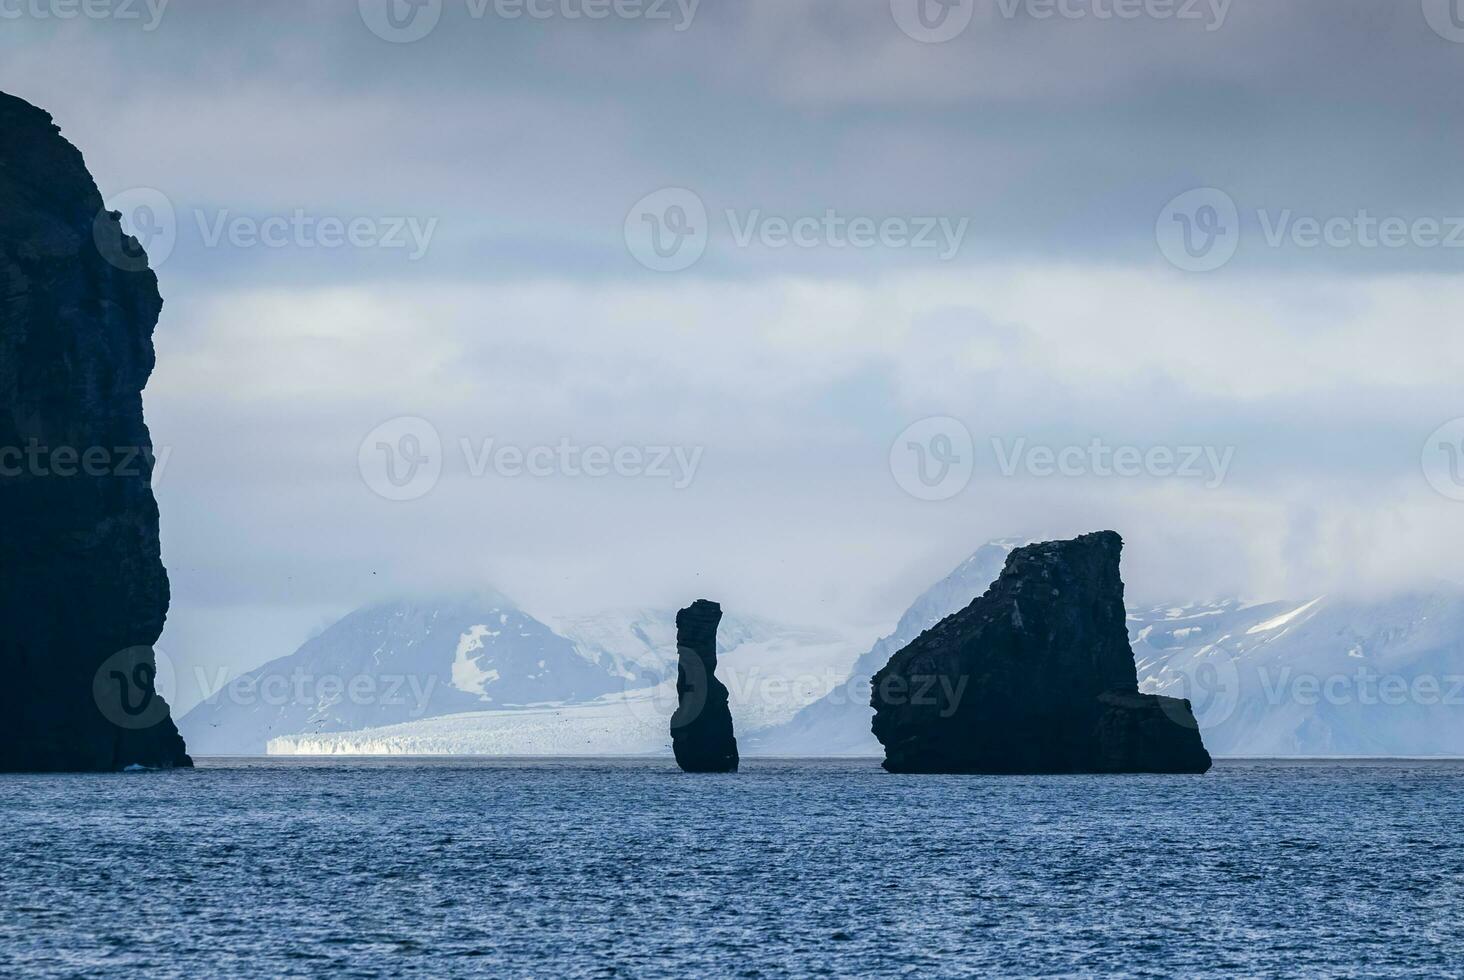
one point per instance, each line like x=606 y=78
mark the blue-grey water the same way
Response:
x=596 y=868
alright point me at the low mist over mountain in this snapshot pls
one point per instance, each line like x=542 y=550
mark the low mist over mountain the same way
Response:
x=1319 y=677
x=482 y=661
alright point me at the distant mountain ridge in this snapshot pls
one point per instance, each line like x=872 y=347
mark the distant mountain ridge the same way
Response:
x=401 y=662
x=1324 y=676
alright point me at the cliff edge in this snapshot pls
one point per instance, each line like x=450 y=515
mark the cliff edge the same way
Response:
x=84 y=592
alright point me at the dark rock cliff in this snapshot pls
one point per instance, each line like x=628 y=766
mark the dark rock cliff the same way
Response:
x=1034 y=676
x=701 y=728
x=83 y=592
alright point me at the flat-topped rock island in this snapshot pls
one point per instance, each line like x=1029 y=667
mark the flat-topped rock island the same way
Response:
x=1034 y=676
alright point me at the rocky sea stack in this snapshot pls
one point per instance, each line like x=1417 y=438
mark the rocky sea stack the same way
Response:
x=701 y=728
x=1034 y=676
x=84 y=593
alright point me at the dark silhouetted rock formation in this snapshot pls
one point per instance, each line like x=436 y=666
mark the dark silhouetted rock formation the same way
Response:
x=1034 y=676
x=701 y=728
x=83 y=592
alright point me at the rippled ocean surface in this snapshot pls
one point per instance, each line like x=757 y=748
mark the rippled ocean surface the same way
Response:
x=589 y=868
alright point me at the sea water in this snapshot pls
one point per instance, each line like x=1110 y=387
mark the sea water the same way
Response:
x=628 y=868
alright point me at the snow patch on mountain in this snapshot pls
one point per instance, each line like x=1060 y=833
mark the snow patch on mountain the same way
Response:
x=1283 y=619
x=467 y=674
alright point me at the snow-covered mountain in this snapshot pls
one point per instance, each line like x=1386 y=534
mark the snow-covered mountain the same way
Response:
x=393 y=662
x=478 y=665
x=1325 y=676
x=1312 y=677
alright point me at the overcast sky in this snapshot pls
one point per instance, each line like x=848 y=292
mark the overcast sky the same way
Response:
x=584 y=234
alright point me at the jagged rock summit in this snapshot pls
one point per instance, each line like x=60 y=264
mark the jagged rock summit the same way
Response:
x=1034 y=676
x=84 y=593
x=701 y=727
